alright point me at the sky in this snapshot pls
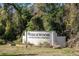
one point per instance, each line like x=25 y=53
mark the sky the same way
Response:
x=39 y=1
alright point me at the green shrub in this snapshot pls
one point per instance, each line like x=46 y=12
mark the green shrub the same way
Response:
x=2 y=42
x=13 y=44
x=18 y=41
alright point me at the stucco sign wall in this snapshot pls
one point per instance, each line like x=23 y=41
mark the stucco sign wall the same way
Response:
x=37 y=37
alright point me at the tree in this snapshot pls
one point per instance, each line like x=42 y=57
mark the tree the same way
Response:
x=50 y=15
x=71 y=19
x=14 y=18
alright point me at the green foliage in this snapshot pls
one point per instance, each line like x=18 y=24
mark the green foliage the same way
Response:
x=2 y=42
x=13 y=21
x=30 y=26
x=2 y=29
x=47 y=20
x=16 y=18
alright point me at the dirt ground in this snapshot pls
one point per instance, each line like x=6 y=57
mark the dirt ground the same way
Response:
x=6 y=50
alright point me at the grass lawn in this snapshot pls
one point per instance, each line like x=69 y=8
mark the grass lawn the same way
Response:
x=6 y=50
